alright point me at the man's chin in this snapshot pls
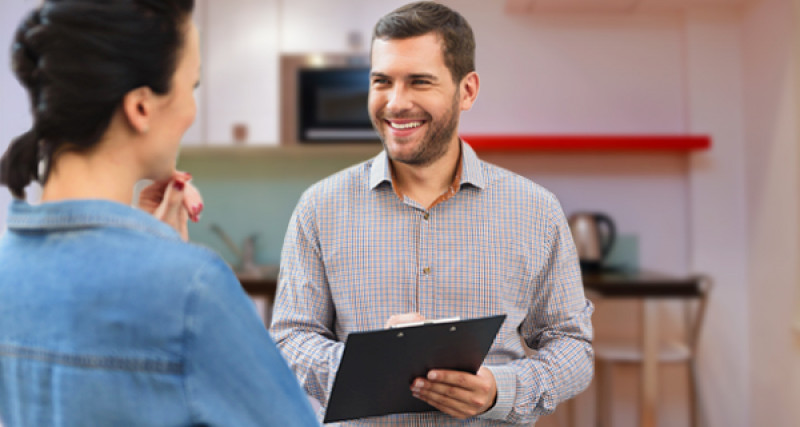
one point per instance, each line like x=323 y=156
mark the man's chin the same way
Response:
x=399 y=153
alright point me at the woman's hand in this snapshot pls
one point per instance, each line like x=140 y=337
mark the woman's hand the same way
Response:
x=174 y=201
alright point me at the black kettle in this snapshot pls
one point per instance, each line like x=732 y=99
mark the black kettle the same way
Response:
x=594 y=234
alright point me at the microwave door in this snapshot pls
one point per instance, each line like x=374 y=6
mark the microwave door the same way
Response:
x=333 y=105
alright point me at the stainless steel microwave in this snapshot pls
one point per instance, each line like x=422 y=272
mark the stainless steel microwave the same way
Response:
x=332 y=105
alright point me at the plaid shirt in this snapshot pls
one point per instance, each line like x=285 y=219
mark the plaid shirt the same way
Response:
x=355 y=253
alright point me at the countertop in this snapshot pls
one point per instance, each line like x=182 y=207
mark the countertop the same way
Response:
x=608 y=284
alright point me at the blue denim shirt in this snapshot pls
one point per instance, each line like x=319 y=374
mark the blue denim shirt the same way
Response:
x=107 y=318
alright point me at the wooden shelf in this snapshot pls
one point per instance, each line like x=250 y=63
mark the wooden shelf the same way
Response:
x=674 y=143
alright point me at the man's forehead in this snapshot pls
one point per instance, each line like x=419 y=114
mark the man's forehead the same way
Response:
x=424 y=50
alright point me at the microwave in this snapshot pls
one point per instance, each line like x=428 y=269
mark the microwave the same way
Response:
x=333 y=105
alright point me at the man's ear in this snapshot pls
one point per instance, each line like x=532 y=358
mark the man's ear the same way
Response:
x=470 y=85
x=138 y=108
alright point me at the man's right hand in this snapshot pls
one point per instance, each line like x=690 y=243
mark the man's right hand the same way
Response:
x=399 y=319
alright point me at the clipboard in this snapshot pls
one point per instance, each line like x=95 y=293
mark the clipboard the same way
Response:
x=377 y=367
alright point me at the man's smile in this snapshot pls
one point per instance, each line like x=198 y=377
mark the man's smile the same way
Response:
x=405 y=124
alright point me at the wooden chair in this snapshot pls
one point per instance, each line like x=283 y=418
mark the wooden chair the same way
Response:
x=610 y=354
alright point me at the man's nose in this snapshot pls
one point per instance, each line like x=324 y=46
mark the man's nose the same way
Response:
x=399 y=99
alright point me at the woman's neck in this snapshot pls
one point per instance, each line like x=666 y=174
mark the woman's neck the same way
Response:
x=94 y=175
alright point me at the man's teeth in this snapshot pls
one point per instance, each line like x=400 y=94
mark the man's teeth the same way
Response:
x=408 y=125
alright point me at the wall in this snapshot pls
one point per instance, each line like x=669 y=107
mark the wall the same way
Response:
x=717 y=207
x=14 y=116
x=773 y=172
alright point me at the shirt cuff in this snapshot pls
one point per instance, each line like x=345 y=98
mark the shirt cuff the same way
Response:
x=506 y=380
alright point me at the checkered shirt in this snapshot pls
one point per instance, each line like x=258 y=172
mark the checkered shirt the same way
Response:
x=355 y=253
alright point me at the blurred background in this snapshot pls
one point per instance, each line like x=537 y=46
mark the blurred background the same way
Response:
x=654 y=74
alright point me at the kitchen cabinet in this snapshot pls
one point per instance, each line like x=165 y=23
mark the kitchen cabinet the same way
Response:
x=239 y=79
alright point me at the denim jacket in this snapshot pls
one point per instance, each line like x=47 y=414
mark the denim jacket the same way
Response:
x=107 y=318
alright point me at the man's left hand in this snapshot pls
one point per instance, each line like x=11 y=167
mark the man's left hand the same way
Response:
x=460 y=394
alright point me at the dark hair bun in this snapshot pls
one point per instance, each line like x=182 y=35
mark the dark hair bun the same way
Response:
x=78 y=59
x=24 y=58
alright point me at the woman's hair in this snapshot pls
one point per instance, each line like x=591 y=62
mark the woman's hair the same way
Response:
x=423 y=17
x=77 y=59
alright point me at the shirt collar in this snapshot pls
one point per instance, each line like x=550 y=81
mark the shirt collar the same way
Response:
x=77 y=214
x=471 y=171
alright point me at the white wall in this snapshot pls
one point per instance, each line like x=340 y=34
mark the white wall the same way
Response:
x=323 y=26
x=717 y=207
x=577 y=74
x=14 y=116
x=773 y=171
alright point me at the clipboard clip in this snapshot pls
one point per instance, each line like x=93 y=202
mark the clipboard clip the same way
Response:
x=426 y=322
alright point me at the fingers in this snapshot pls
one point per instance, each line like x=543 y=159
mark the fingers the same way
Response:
x=399 y=319
x=452 y=400
x=183 y=228
x=174 y=201
x=151 y=196
x=459 y=394
x=171 y=210
x=192 y=202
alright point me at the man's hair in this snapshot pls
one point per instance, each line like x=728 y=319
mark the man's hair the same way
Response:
x=423 y=17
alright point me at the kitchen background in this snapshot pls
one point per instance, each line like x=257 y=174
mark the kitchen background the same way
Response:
x=724 y=68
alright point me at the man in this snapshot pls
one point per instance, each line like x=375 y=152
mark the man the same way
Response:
x=427 y=230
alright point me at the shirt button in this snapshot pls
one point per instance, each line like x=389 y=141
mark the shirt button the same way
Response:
x=426 y=271
x=426 y=216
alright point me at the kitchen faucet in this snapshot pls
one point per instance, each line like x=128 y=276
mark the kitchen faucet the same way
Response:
x=247 y=265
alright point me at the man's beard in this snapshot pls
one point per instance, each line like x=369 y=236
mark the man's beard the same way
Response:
x=434 y=143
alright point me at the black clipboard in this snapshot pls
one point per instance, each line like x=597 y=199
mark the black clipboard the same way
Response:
x=377 y=367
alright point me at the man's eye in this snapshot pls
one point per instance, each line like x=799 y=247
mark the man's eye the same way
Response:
x=380 y=81
x=419 y=82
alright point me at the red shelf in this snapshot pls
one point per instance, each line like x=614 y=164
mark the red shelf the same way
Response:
x=588 y=142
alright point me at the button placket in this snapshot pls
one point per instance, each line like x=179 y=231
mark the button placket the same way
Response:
x=426 y=259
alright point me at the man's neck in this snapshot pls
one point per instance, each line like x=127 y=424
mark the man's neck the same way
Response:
x=425 y=184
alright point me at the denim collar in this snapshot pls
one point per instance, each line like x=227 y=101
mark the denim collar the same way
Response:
x=78 y=214
x=471 y=171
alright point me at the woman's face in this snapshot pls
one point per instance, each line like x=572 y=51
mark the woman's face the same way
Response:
x=176 y=110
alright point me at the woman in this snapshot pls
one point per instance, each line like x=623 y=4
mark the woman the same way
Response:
x=106 y=316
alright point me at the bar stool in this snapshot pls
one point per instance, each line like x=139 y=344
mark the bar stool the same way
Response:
x=610 y=354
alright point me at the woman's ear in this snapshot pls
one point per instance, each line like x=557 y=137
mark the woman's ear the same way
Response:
x=137 y=105
x=470 y=85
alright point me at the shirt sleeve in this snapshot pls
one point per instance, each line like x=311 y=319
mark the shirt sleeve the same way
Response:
x=557 y=329
x=303 y=313
x=234 y=373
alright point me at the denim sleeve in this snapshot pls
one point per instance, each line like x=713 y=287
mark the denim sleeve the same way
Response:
x=234 y=374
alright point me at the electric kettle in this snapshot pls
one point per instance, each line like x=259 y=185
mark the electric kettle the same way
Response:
x=594 y=234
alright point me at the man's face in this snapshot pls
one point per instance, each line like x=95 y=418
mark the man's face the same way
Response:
x=413 y=103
